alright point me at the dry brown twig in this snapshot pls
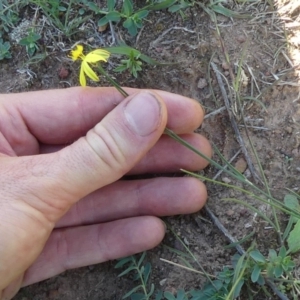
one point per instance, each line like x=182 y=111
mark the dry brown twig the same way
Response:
x=239 y=138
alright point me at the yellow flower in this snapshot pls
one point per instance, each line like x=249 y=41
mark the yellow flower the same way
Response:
x=92 y=57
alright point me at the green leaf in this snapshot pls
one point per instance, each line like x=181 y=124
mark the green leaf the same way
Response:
x=272 y=254
x=220 y=9
x=120 y=68
x=111 y=5
x=62 y=8
x=257 y=256
x=123 y=50
x=291 y=202
x=132 y=291
x=122 y=262
x=4 y=50
x=136 y=277
x=138 y=296
x=138 y=23
x=180 y=295
x=278 y=271
x=261 y=280
x=30 y=51
x=127 y=7
x=113 y=16
x=174 y=8
x=141 y=259
x=255 y=273
x=161 y=5
x=128 y=23
x=36 y=36
x=151 y=290
x=142 y=14
x=282 y=252
x=103 y=21
x=132 y=29
x=131 y=268
x=238 y=262
x=126 y=50
x=244 y=239
x=169 y=296
x=147 y=272
x=238 y=288
x=159 y=295
x=142 y=269
x=92 y=6
x=81 y=11
x=270 y=270
x=289 y=265
x=293 y=239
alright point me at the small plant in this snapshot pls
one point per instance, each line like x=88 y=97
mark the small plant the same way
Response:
x=30 y=42
x=292 y=235
x=8 y=16
x=141 y=271
x=132 y=19
x=4 y=50
x=133 y=64
x=217 y=289
x=62 y=14
x=274 y=267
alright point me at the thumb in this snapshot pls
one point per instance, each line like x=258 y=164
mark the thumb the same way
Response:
x=37 y=190
x=106 y=153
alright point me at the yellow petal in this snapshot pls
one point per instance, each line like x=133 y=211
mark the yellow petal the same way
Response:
x=76 y=53
x=97 y=55
x=88 y=71
x=82 y=79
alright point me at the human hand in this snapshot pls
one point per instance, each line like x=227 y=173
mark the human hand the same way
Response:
x=61 y=146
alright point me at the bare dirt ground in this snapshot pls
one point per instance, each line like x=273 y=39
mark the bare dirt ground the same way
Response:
x=270 y=41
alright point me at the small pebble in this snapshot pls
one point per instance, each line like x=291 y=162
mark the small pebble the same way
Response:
x=230 y=212
x=202 y=83
x=216 y=60
x=241 y=38
x=226 y=180
x=162 y=282
x=53 y=294
x=241 y=165
x=63 y=73
x=225 y=65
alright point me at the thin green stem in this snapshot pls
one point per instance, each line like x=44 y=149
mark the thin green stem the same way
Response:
x=238 y=176
x=113 y=82
x=279 y=205
x=141 y=278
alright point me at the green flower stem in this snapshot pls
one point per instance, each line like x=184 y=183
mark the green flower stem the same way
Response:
x=113 y=82
x=238 y=176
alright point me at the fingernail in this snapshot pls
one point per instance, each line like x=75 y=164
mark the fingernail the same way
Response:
x=143 y=113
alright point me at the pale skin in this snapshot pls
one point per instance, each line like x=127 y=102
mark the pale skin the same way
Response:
x=63 y=153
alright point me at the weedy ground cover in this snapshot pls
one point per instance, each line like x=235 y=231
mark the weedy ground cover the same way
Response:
x=255 y=270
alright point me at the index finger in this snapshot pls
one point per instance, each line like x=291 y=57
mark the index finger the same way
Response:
x=61 y=116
